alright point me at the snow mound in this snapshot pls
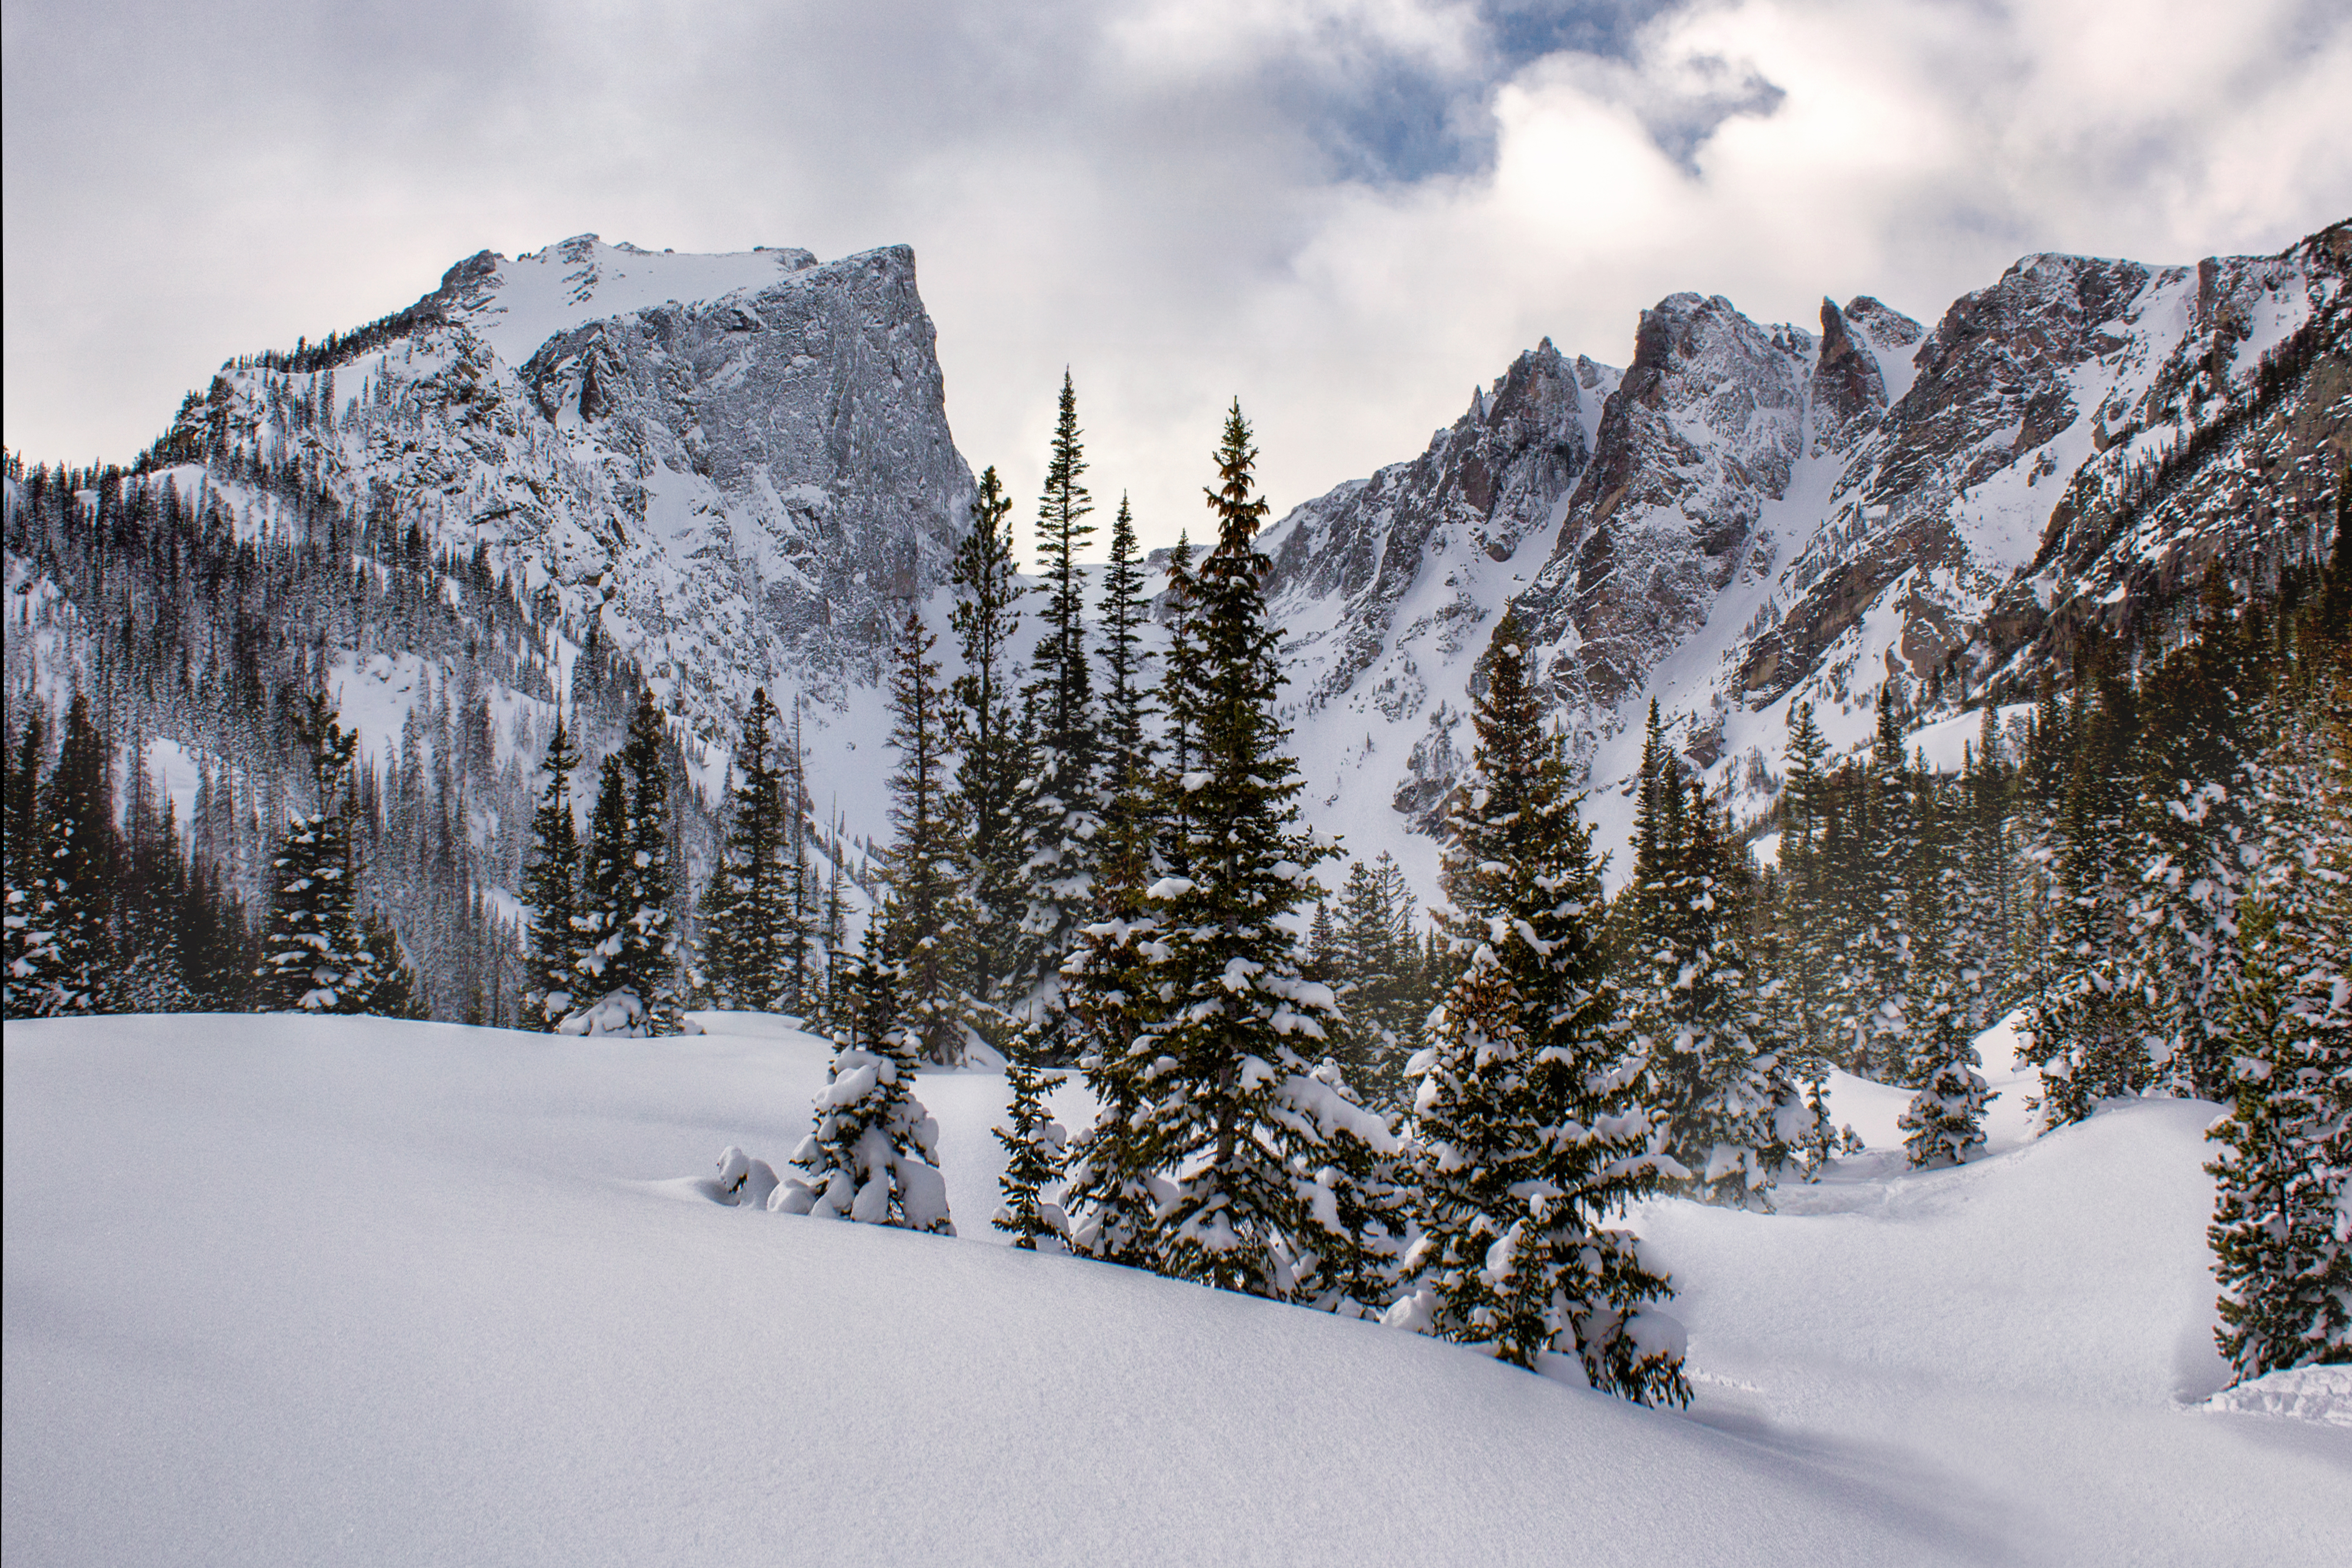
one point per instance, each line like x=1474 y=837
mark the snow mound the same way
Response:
x=2322 y=1394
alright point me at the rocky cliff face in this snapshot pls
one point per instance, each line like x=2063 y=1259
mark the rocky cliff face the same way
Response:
x=1769 y=515
x=734 y=466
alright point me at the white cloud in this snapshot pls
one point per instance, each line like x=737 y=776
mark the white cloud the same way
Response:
x=1346 y=214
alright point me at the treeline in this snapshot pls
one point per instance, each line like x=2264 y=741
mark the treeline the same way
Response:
x=209 y=615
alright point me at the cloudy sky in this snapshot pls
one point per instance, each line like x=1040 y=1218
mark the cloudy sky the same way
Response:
x=1344 y=212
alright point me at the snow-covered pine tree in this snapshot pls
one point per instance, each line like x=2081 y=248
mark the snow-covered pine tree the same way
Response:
x=1114 y=1185
x=2282 y=1250
x=929 y=924
x=1263 y=1160
x=992 y=773
x=1033 y=1152
x=84 y=865
x=1951 y=967
x=1810 y=1045
x=2194 y=843
x=749 y=899
x=1376 y=962
x=2087 y=1023
x=873 y=1155
x=31 y=913
x=552 y=888
x=318 y=955
x=1128 y=704
x=1529 y=1137
x=1943 y=1123
x=799 y=949
x=631 y=955
x=1880 y=960
x=1066 y=808
x=1710 y=1075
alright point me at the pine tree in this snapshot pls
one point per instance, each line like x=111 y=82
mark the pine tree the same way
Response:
x=1265 y=1173
x=83 y=868
x=1711 y=1074
x=2085 y=1022
x=316 y=954
x=32 y=934
x=551 y=889
x=873 y=1155
x=993 y=774
x=1066 y=809
x=1377 y=965
x=1128 y=704
x=1530 y=1138
x=631 y=940
x=928 y=928
x=749 y=899
x=1806 y=906
x=2194 y=843
x=1033 y=1156
x=2285 y=1172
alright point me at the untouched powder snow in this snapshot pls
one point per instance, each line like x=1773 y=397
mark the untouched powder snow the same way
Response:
x=281 y=1290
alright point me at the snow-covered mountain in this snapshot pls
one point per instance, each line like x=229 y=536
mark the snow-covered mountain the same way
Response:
x=1752 y=516
x=734 y=463
x=736 y=469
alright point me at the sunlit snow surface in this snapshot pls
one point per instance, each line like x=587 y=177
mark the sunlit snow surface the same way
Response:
x=281 y=1291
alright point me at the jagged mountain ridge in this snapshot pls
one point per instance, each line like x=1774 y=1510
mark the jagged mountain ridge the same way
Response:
x=1766 y=514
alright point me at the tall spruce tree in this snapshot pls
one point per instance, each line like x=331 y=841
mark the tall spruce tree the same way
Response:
x=84 y=865
x=2284 y=1174
x=1806 y=919
x=319 y=953
x=1530 y=1138
x=1267 y=1173
x=630 y=928
x=2195 y=842
x=551 y=889
x=32 y=934
x=928 y=922
x=750 y=906
x=1711 y=1073
x=1066 y=809
x=993 y=772
x=2085 y=1022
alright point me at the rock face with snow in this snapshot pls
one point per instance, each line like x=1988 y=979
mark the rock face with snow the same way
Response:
x=736 y=467
x=1765 y=515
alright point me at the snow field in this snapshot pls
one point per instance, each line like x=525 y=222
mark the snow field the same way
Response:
x=358 y=1290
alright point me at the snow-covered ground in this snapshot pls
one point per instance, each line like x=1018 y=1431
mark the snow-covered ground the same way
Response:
x=367 y=1291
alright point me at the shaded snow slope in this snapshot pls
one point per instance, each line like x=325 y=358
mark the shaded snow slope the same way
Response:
x=367 y=1291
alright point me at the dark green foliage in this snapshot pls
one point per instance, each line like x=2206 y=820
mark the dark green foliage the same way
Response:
x=927 y=923
x=627 y=924
x=993 y=772
x=750 y=915
x=1066 y=808
x=1033 y=1163
x=1262 y=1174
x=551 y=889
x=1530 y=1136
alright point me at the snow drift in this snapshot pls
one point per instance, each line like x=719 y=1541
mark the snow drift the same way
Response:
x=366 y=1291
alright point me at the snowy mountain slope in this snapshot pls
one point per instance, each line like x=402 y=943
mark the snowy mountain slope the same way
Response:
x=1769 y=515
x=365 y=1291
